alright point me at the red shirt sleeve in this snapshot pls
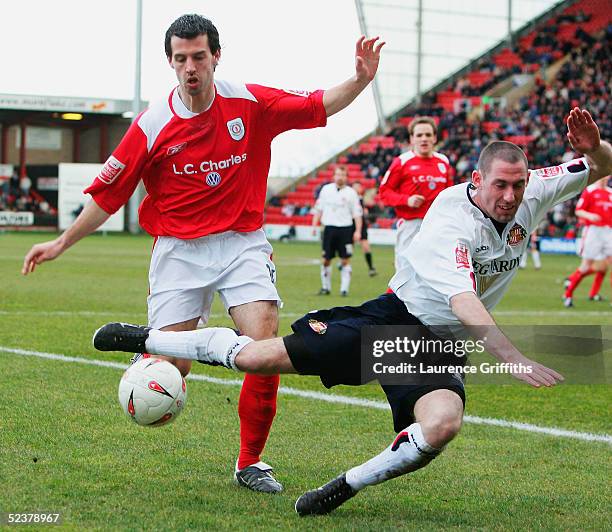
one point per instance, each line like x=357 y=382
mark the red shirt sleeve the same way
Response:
x=283 y=110
x=116 y=182
x=389 y=186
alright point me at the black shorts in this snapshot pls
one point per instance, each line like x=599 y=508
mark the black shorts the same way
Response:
x=327 y=343
x=337 y=240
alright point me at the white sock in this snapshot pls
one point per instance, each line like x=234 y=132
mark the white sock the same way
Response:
x=345 y=278
x=326 y=272
x=408 y=452
x=535 y=255
x=211 y=344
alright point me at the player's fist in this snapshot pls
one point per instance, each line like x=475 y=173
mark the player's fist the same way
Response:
x=41 y=253
x=356 y=236
x=415 y=201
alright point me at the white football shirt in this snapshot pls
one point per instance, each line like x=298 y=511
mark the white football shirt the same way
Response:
x=458 y=249
x=338 y=207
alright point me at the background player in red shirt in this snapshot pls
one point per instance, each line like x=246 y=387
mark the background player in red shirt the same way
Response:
x=594 y=209
x=413 y=181
x=204 y=156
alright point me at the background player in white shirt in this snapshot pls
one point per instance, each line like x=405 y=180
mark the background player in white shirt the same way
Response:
x=457 y=269
x=339 y=210
x=203 y=154
x=534 y=250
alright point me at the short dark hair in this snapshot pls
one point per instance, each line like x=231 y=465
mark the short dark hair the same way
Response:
x=422 y=120
x=503 y=150
x=190 y=27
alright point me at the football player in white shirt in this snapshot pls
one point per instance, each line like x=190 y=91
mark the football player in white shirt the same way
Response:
x=339 y=210
x=458 y=268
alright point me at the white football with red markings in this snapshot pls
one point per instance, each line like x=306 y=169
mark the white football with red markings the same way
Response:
x=152 y=392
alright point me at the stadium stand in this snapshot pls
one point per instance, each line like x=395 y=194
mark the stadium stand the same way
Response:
x=19 y=196
x=519 y=94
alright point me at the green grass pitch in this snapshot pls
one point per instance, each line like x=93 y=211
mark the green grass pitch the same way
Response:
x=66 y=446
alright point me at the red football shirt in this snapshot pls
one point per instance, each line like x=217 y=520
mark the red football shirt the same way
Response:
x=597 y=201
x=411 y=174
x=204 y=173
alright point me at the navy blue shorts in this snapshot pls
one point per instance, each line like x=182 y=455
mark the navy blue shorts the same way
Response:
x=327 y=343
x=337 y=241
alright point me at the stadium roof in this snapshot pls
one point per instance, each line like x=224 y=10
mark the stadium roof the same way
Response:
x=51 y=110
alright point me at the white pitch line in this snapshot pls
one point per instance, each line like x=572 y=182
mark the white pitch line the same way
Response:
x=117 y=315
x=555 y=313
x=332 y=398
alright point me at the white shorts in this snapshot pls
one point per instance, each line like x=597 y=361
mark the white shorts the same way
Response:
x=185 y=274
x=406 y=231
x=596 y=242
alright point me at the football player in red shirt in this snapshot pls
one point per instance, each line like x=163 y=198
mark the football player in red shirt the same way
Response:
x=594 y=208
x=414 y=180
x=203 y=154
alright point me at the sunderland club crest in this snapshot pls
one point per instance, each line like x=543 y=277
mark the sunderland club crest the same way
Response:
x=516 y=235
x=318 y=326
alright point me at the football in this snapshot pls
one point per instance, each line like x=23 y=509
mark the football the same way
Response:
x=152 y=392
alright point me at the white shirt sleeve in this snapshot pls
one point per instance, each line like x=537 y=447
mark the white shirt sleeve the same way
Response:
x=555 y=184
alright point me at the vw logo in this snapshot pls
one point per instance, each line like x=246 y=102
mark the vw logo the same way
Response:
x=213 y=179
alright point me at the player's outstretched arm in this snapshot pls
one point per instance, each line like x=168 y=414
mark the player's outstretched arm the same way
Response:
x=472 y=313
x=367 y=56
x=91 y=217
x=583 y=135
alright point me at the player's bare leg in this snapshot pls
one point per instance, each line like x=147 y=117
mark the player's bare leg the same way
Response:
x=438 y=416
x=264 y=358
x=257 y=403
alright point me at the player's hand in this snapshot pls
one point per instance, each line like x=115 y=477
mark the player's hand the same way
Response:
x=357 y=236
x=582 y=131
x=538 y=376
x=415 y=201
x=41 y=253
x=594 y=217
x=367 y=55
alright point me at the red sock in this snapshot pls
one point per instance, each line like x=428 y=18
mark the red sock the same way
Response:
x=256 y=408
x=574 y=280
x=599 y=277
